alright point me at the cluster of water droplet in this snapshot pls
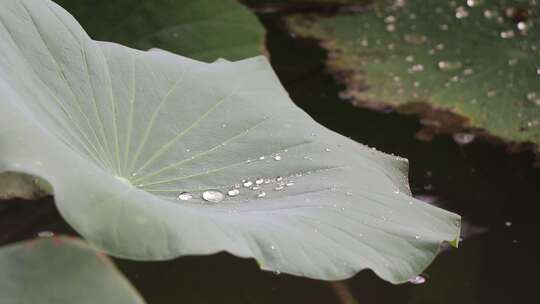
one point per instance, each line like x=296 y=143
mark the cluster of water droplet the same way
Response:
x=254 y=187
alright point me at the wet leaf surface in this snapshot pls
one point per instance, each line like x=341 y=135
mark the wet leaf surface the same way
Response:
x=477 y=59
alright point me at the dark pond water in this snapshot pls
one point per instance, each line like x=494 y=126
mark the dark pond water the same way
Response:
x=496 y=192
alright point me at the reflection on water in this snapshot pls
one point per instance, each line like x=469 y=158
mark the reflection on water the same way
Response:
x=497 y=194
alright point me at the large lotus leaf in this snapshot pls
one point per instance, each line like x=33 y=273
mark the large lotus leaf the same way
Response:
x=58 y=271
x=476 y=58
x=200 y=29
x=133 y=141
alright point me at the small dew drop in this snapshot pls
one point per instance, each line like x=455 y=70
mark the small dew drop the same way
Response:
x=507 y=34
x=390 y=19
x=416 y=68
x=259 y=181
x=461 y=12
x=468 y=71
x=417 y=237
x=327 y=149
x=449 y=65
x=510 y=12
x=278 y=188
x=522 y=26
x=513 y=61
x=289 y=184
x=45 y=234
x=255 y=188
x=185 y=196
x=414 y=38
x=261 y=194
x=508 y=224
x=262 y=157
x=534 y=97
x=248 y=183
x=213 y=196
x=473 y=3
x=279 y=178
x=233 y=192
x=277 y=157
x=417 y=280
x=463 y=138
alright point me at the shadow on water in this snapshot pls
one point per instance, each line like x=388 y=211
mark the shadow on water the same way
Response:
x=497 y=194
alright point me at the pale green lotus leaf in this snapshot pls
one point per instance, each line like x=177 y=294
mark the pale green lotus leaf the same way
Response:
x=61 y=271
x=120 y=134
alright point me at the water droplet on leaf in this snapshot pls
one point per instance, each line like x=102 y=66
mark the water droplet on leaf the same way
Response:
x=233 y=192
x=417 y=280
x=463 y=138
x=213 y=196
x=507 y=34
x=185 y=196
x=473 y=3
x=45 y=234
x=449 y=65
x=461 y=12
